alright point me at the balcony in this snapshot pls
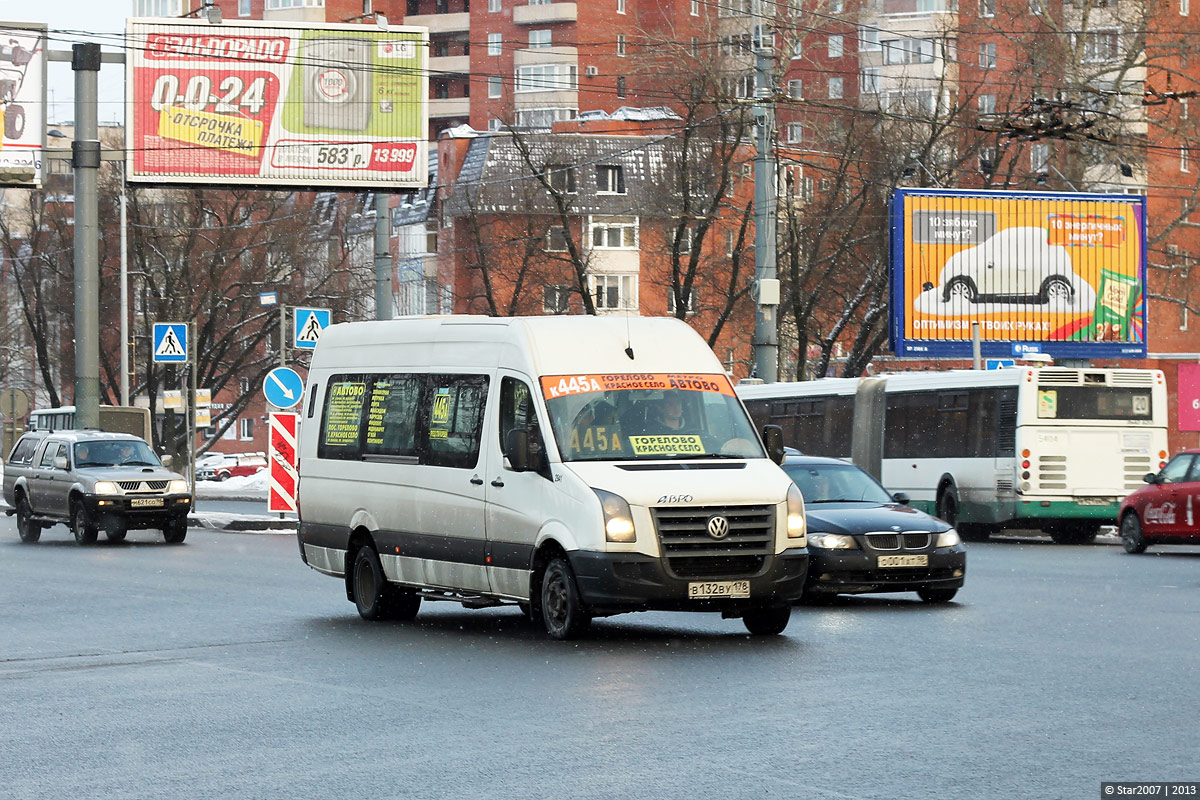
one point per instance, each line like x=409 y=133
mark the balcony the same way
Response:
x=450 y=107
x=545 y=14
x=441 y=23
x=450 y=65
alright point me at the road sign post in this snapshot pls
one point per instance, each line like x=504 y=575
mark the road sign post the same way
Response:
x=281 y=456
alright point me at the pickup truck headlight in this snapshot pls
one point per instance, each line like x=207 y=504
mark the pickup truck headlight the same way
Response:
x=796 y=526
x=106 y=487
x=948 y=538
x=177 y=486
x=618 y=519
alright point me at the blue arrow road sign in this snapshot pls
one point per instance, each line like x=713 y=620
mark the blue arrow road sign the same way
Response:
x=1000 y=363
x=283 y=387
x=309 y=324
x=170 y=343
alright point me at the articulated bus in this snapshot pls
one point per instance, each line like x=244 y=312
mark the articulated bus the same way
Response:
x=116 y=419
x=1052 y=449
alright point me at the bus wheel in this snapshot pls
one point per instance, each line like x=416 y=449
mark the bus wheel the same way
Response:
x=947 y=506
x=563 y=615
x=1074 y=533
x=970 y=532
x=767 y=620
x=1131 y=533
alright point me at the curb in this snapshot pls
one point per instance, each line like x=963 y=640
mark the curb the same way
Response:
x=242 y=525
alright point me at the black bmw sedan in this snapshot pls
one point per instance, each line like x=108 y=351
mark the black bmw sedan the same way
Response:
x=863 y=539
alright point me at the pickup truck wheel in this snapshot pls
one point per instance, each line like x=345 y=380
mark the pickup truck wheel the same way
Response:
x=27 y=529
x=115 y=533
x=176 y=531
x=82 y=526
x=767 y=620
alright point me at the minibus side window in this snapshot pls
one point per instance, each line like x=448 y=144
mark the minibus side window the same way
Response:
x=392 y=415
x=453 y=409
x=342 y=421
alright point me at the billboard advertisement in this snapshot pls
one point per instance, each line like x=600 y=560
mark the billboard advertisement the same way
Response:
x=277 y=103
x=1061 y=274
x=22 y=103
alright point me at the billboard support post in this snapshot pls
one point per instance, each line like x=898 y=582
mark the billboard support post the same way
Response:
x=85 y=157
x=975 y=349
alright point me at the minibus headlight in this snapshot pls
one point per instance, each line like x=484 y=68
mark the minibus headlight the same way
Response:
x=832 y=541
x=948 y=538
x=177 y=486
x=618 y=519
x=795 y=513
x=106 y=487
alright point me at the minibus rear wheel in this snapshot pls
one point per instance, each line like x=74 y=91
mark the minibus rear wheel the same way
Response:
x=374 y=596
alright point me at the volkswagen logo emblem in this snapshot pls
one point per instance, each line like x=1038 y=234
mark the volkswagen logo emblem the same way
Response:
x=718 y=527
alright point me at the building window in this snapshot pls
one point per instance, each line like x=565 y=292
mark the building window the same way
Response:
x=246 y=429
x=561 y=178
x=539 y=39
x=547 y=78
x=495 y=44
x=836 y=46
x=614 y=291
x=730 y=242
x=495 y=86
x=494 y=124
x=917 y=102
x=1184 y=161
x=987 y=104
x=987 y=55
x=1039 y=156
x=615 y=233
x=695 y=47
x=1100 y=46
x=1183 y=108
x=243 y=8
x=243 y=385
x=685 y=240
x=987 y=160
x=1037 y=6
x=837 y=6
x=735 y=8
x=908 y=51
x=556 y=299
x=869 y=81
x=868 y=38
x=610 y=179
x=1185 y=8
x=798 y=49
x=795 y=132
x=695 y=8
x=620 y=6
x=795 y=88
x=621 y=45
x=493 y=6
x=621 y=86
x=556 y=240
x=689 y=307
x=835 y=88
x=987 y=8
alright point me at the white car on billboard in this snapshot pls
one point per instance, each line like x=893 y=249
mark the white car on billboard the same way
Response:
x=1015 y=265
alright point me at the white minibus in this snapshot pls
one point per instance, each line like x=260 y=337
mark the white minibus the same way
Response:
x=577 y=466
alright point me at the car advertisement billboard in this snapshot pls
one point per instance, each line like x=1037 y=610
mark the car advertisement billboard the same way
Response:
x=22 y=103
x=277 y=103
x=1063 y=273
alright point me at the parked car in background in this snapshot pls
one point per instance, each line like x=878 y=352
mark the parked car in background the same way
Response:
x=1167 y=509
x=90 y=480
x=863 y=539
x=231 y=466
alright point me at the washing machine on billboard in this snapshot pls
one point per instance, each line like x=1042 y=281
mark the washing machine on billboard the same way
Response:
x=337 y=83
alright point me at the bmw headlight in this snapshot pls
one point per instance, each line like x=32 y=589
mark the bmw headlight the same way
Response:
x=177 y=486
x=106 y=487
x=796 y=527
x=832 y=541
x=948 y=538
x=618 y=519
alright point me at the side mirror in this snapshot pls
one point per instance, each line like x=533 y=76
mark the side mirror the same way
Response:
x=1151 y=477
x=773 y=439
x=516 y=447
x=60 y=462
x=901 y=497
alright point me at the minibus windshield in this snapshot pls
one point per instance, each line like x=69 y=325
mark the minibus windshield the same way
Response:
x=629 y=417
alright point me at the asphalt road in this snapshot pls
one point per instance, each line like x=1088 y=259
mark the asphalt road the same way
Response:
x=225 y=668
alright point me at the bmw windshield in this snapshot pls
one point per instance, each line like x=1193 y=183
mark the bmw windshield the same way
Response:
x=634 y=417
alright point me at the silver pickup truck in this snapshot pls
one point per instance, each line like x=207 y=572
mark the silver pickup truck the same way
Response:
x=91 y=480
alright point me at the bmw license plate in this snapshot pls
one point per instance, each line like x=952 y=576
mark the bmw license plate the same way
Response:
x=705 y=589
x=904 y=561
x=146 y=502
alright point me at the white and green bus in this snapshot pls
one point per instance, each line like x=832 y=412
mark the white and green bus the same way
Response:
x=1052 y=449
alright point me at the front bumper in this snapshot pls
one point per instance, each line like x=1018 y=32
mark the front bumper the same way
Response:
x=110 y=509
x=618 y=582
x=857 y=572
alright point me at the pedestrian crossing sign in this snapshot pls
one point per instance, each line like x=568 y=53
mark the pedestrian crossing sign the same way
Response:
x=308 y=326
x=170 y=343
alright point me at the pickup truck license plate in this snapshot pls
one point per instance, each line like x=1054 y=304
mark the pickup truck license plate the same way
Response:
x=705 y=589
x=904 y=561
x=146 y=502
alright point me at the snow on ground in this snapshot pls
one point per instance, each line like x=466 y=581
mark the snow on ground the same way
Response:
x=253 y=487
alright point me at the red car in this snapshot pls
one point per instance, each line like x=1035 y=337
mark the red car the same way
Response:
x=233 y=466
x=1168 y=510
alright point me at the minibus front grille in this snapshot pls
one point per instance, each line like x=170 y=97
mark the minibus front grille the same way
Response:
x=683 y=534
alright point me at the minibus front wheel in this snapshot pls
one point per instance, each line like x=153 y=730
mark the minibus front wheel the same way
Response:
x=559 y=606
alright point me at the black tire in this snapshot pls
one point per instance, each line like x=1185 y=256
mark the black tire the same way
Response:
x=176 y=531
x=1057 y=289
x=374 y=596
x=767 y=620
x=1074 y=533
x=221 y=476
x=1131 y=534
x=969 y=532
x=115 y=533
x=937 y=595
x=82 y=525
x=561 y=608
x=14 y=122
x=818 y=598
x=27 y=529
x=947 y=506
x=960 y=287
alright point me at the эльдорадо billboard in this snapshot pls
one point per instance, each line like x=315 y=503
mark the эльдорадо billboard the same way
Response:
x=277 y=103
x=1063 y=271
